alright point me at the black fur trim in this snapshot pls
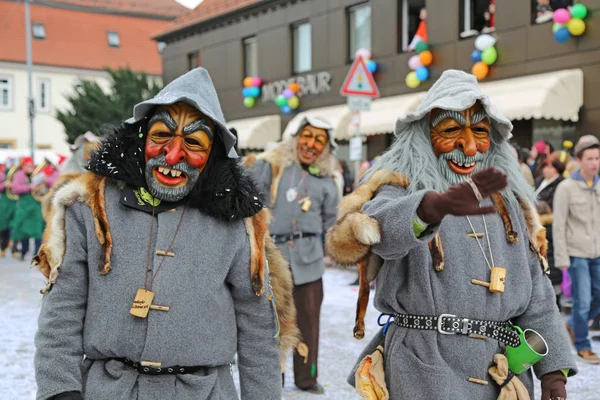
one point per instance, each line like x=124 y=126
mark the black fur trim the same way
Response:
x=223 y=191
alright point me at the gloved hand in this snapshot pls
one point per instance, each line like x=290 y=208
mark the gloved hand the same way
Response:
x=553 y=386
x=460 y=199
x=68 y=396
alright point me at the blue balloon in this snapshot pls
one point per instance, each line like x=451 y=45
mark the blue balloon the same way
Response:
x=562 y=34
x=247 y=92
x=476 y=55
x=254 y=91
x=372 y=66
x=286 y=109
x=422 y=74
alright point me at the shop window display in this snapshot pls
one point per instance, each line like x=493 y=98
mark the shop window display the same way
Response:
x=477 y=16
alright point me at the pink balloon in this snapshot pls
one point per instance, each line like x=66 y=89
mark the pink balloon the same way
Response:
x=414 y=63
x=256 y=81
x=562 y=16
x=364 y=53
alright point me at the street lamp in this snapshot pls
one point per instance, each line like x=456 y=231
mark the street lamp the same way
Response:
x=30 y=103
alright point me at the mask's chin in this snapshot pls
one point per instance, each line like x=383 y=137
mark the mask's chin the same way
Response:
x=455 y=167
x=170 y=183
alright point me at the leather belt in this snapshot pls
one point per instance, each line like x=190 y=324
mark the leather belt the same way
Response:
x=175 y=369
x=449 y=324
x=277 y=239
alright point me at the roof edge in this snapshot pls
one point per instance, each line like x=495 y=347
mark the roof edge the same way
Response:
x=72 y=7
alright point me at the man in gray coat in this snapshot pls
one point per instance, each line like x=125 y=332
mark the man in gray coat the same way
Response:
x=156 y=265
x=446 y=222
x=297 y=178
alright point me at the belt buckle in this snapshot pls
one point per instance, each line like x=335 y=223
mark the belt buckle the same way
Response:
x=440 y=322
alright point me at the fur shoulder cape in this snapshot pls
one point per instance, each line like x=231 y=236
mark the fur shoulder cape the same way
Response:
x=89 y=188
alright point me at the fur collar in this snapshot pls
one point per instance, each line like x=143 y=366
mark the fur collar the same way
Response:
x=224 y=191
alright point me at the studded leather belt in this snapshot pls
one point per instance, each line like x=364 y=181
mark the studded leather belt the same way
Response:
x=449 y=324
x=278 y=239
x=150 y=370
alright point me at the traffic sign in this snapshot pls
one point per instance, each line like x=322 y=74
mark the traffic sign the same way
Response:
x=356 y=103
x=356 y=148
x=359 y=81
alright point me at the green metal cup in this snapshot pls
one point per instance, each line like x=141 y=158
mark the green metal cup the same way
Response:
x=532 y=349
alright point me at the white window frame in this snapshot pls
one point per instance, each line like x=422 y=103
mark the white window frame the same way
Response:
x=296 y=47
x=41 y=34
x=251 y=40
x=405 y=38
x=113 y=34
x=350 y=13
x=42 y=100
x=8 y=86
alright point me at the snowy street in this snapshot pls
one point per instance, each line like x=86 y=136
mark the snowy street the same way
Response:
x=19 y=308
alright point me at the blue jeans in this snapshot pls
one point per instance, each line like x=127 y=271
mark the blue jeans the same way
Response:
x=585 y=289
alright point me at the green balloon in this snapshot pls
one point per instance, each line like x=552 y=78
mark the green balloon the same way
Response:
x=249 y=102
x=579 y=11
x=421 y=46
x=280 y=101
x=489 y=55
x=556 y=26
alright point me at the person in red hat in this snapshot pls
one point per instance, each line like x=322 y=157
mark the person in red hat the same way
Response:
x=28 y=222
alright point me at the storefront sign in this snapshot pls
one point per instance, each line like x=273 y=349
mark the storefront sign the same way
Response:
x=310 y=84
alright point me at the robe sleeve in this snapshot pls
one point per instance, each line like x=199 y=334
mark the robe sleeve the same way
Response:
x=258 y=350
x=543 y=316
x=262 y=174
x=395 y=210
x=330 y=204
x=559 y=226
x=59 y=338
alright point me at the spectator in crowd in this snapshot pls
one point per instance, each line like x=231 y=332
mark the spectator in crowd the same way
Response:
x=576 y=234
x=539 y=152
x=348 y=178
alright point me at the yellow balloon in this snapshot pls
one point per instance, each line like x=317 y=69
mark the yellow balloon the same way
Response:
x=411 y=80
x=576 y=26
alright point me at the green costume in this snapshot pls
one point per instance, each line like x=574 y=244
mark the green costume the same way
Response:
x=7 y=211
x=28 y=222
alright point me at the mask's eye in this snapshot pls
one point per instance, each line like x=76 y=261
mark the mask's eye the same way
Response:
x=479 y=129
x=452 y=129
x=162 y=135
x=192 y=141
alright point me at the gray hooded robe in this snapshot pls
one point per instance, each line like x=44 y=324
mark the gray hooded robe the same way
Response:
x=424 y=364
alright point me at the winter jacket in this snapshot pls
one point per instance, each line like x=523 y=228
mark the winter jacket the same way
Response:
x=547 y=195
x=576 y=227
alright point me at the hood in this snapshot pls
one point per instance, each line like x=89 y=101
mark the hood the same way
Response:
x=320 y=123
x=577 y=177
x=456 y=91
x=196 y=89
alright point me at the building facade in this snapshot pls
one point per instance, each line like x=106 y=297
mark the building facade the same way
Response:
x=549 y=90
x=72 y=40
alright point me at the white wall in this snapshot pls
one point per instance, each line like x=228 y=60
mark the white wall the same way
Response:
x=14 y=123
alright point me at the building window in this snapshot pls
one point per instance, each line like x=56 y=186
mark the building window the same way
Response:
x=302 y=47
x=250 y=56
x=193 y=60
x=359 y=18
x=477 y=16
x=8 y=143
x=43 y=95
x=39 y=31
x=543 y=10
x=5 y=92
x=43 y=146
x=113 y=39
x=412 y=24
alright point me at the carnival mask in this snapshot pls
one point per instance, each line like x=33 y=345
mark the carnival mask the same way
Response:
x=178 y=145
x=311 y=143
x=460 y=140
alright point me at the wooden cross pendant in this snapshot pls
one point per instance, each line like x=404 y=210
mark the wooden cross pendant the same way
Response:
x=497 y=280
x=142 y=304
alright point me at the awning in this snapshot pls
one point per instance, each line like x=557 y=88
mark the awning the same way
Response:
x=255 y=133
x=338 y=116
x=384 y=113
x=554 y=95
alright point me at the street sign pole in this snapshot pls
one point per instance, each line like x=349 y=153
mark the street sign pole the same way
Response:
x=30 y=102
x=357 y=162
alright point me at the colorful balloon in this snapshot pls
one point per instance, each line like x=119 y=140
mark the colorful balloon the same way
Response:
x=422 y=74
x=286 y=109
x=294 y=87
x=489 y=55
x=476 y=55
x=562 y=16
x=421 y=47
x=288 y=93
x=256 y=81
x=484 y=42
x=562 y=35
x=294 y=102
x=480 y=70
x=254 y=91
x=364 y=53
x=248 y=81
x=246 y=92
x=556 y=26
x=576 y=26
x=414 y=62
x=426 y=58
x=579 y=11
x=249 y=102
x=411 y=80
x=371 y=66
x=280 y=101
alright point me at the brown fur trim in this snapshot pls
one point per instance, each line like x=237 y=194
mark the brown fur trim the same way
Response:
x=343 y=242
x=363 y=300
x=249 y=161
x=282 y=286
x=437 y=253
x=257 y=227
x=537 y=233
x=511 y=236
x=62 y=180
x=546 y=219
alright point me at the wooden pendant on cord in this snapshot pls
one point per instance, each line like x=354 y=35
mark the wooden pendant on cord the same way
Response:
x=306 y=203
x=141 y=303
x=497 y=280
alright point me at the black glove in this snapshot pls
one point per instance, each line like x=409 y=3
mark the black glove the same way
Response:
x=460 y=199
x=68 y=396
x=554 y=386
